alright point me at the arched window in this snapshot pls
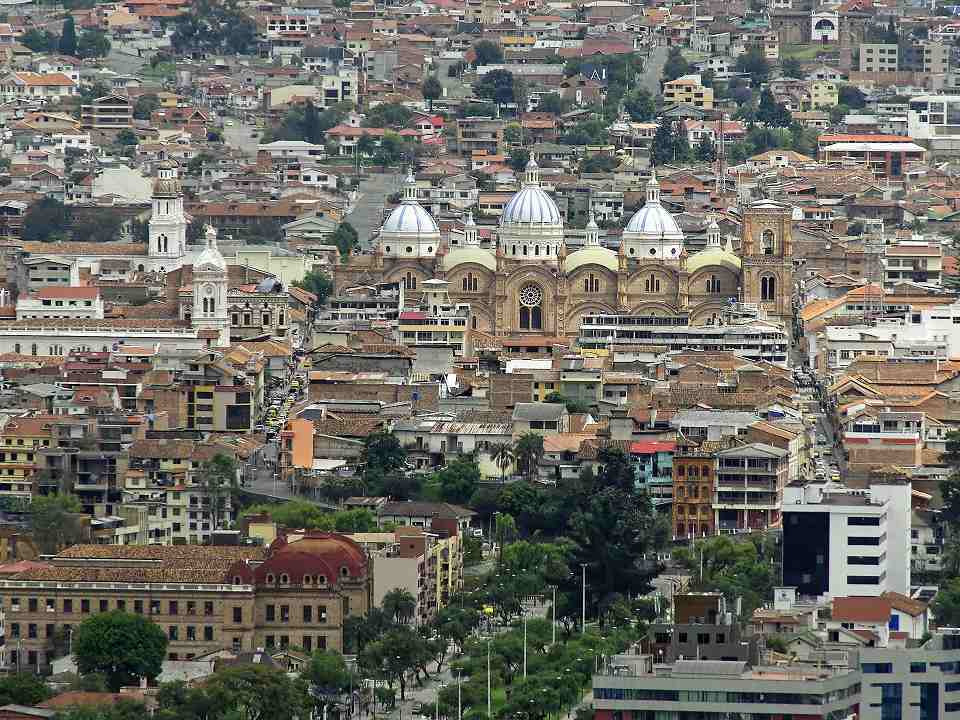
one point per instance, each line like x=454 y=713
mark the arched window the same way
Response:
x=768 y=288
x=410 y=282
x=464 y=283
x=213 y=304
x=768 y=242
x=536 y=250
x=591 y=284
x=473 y=322
x=513 y=249
x=524 y=249
x=531 y=308
x=652 y=284
x=713 y=284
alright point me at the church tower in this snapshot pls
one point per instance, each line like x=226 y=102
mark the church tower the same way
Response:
x=766 y=249
x=210 y=292
x=168 y=224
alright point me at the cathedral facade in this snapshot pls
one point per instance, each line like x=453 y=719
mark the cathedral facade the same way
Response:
x=528 y=284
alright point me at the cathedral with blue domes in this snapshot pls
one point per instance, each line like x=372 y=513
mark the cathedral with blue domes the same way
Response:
x=525 y=282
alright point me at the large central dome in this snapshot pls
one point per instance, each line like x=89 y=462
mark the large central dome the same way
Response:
x=410 y=218
x=531 y=205
x=531 y=227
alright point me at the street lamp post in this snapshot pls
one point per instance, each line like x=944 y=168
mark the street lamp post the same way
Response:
x=489 y=701
x=553 y=624
x=583 y=600
x=524 y=645
x=459 y=699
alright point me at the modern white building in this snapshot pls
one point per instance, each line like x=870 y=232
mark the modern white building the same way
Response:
x=61 y=302
x=839 y=542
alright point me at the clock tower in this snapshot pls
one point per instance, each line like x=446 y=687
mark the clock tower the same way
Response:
x=167 y=236
x=210 y=292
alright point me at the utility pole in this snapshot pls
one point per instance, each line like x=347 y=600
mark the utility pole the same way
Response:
x=524 y=644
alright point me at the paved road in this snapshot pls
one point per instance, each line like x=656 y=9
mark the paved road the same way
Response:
x=365 y=216
x=653 y=69
x=239 y=136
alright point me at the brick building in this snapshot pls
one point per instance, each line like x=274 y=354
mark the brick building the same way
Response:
x=298 y=591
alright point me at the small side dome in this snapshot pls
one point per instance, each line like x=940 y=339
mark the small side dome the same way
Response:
x=593 y=255
x=410 y=218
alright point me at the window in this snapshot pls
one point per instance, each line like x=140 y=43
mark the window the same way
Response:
x=321 y=613
x=308 y=643
x=768 y=288
x=531 y=311
x=191 y=633
x=154 y=607
x=174 y=607
x=308 y=613
x=68 y=606
x=208 y=633
x=138 y=607
x=191 y=607
x=651 y=284
x=172 y=633
x=84 y=606
x=285 y=613
x=31 y=604
x=271 y=613
x=918 y=667
x=104 y=605
x=768 y=242
x=270 y=641
x=32 y=631
x=591 y=284
x=876 y=668
x=238 y=614
x=208 y=608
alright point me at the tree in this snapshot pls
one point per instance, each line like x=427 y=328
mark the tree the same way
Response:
x=328 y=672
x=366 y=145
x=572 y=406
x=93 y=44
x=388 y=115
x=496 y=85
x=551 y=103
x=598 y=163
x=946 y=604
x=39 y=41
x=675 y=66
x=772 y=113
x=318 y=283
x=852 y=97
x=145 y=105
x=640 y=105
x=519 y=157
x=432 y=90
x=123 y=646
x=705 y=150
x=488 y=53
x=259 y=692
x=502 y=455
x=46 y=220
x=382 y=458
x=669 y=144
x=345 y=237
x=68 y=37
x=399 y=605
x=23 y=688
x=529 y=452
x=458 y=480
x=218 y=480
x=127 y=137
x=791 y=68
x=391 y=150
x=53 y=521
x=754 y=63
x=98 y=227
x=311 y=124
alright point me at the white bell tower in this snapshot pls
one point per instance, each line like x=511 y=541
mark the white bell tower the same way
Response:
x=210 y=292
x=167 y=241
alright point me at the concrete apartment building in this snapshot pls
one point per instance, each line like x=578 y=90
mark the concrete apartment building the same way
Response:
x=688 y=90
x=479 y=133
x=915 y=260
x=205 y=598
x=749 y=488
x=846 y=542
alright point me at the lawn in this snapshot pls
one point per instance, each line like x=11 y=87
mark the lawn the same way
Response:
x=802 y=52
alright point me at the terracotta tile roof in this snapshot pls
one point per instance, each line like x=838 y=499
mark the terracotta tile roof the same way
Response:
x=862 y=609
x=84 y=248
x=87 y=699
x=182 y=554
x=162 y=449
x=352 y=425
x=905 y=604
x=72 y=293
x=44 y=80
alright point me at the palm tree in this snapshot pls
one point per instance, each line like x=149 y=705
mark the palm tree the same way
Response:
x=529 y=452
x=400 y=605
x=502 y=455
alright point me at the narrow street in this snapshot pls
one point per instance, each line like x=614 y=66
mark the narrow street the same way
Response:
x=365 y=216
x=653 y=70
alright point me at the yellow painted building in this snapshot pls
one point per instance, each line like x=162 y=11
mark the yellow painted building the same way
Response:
x=518 y=42
x=21 y=442
x=688 y=90
x=824 y=94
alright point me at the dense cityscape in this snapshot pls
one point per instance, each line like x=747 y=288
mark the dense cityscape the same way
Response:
x=479 y=360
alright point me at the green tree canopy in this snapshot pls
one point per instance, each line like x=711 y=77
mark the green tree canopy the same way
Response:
x=46 y=220
x=432 y=90
x=488 y=53
x=93 y=44
x=145 y=105
x=318 y=283
x=122 y=646
x=53 y=521
x=346 y=239
x=754 y=63
x=640 y=105
x=791 y=68
x=218 y=480
x=388 y=115
x=23 y=688
x=328 y=672
x=39 y=40
x=675 y=66
x=68 y=36
x=458 y=481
